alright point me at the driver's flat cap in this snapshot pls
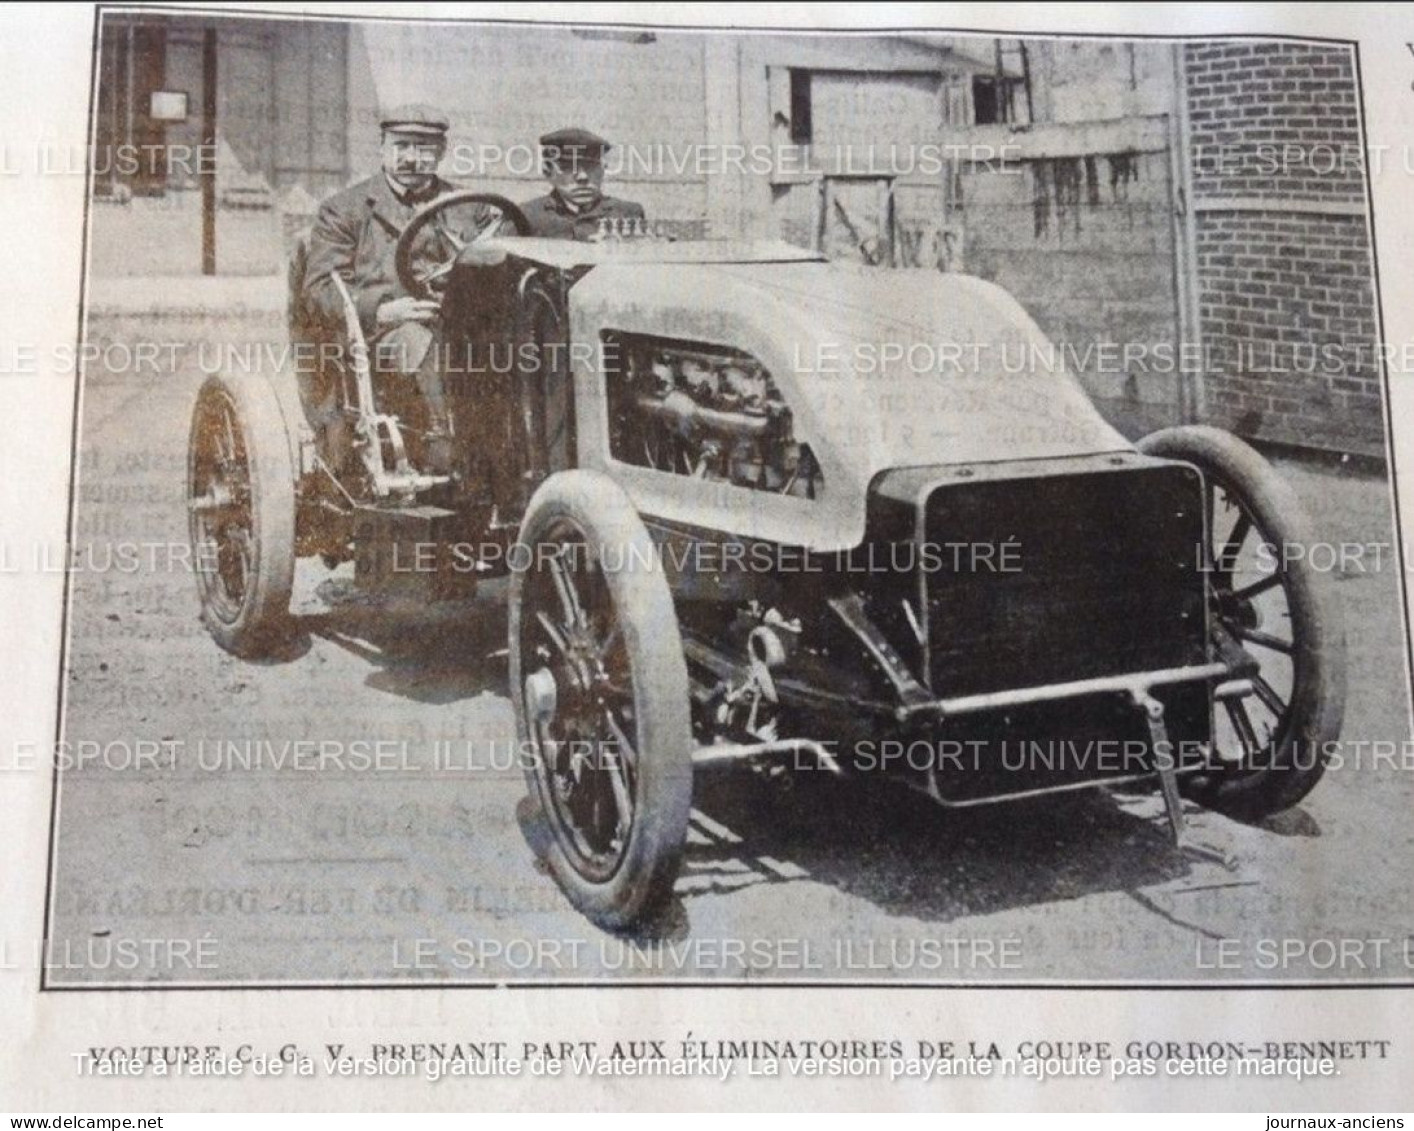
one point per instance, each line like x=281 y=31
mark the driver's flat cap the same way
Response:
x=416 y=118
x=572 y=142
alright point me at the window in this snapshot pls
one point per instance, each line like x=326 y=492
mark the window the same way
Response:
x=1005 y=94
x=801 y=126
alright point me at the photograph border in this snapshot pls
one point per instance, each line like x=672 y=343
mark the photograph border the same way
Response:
x=1223 y=986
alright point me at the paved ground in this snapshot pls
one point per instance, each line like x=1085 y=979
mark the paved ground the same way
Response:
x=297 y=876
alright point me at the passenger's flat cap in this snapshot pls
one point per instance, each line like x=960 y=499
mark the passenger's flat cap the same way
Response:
x=572 y=142
x=416 y=118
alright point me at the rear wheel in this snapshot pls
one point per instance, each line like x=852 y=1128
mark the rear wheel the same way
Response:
x=601 y=697
x=1265 y=598
x=241 y=513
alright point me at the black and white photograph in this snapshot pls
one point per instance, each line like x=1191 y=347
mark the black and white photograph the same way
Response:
x=647 y=544
x=727 y=506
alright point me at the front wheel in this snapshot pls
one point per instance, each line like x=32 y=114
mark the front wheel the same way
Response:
x=241 y=511
x=1265 y=599
x=601 y=697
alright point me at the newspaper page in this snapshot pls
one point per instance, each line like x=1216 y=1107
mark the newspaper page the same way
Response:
x=654 y=556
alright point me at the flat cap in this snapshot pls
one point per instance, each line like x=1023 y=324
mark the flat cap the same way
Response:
x=572 y=142
x=415 y=118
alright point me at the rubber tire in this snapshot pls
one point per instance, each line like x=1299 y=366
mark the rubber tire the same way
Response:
x=1318 y=626
x=640 y=888
x=263 y=623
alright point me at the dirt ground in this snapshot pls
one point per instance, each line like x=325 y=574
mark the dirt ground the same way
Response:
x=429 y=874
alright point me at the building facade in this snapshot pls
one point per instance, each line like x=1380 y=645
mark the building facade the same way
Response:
x=1122 y=191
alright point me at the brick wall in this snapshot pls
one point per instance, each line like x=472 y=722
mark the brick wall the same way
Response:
x=1274 y=120
x=1286 y=303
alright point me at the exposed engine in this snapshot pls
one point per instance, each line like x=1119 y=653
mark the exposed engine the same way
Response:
x=708 y=413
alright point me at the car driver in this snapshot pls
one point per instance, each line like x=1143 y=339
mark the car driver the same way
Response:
x=355 y=237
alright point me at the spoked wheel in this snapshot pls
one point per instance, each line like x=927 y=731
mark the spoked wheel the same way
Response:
x=1264 y=598
x=241 y=513
x=601 y=696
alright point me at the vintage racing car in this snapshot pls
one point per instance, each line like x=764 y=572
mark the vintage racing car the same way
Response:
x=743 y=525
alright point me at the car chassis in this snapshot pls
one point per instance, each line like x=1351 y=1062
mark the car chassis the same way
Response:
x=728 y=546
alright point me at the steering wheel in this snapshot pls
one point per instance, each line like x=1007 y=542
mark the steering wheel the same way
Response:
x=422 y=272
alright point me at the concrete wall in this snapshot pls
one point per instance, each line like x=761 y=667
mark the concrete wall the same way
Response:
x=1080 y=229
x=1078 y=222
x=1078 y=81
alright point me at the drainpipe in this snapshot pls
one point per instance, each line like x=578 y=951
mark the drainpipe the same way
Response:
x=208 y=148
x=1192 y=407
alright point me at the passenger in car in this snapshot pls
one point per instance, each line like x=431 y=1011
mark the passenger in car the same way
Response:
x=576 y=208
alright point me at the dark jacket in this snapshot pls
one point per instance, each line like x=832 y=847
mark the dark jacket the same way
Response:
x=354 y=236
x=549 y=216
